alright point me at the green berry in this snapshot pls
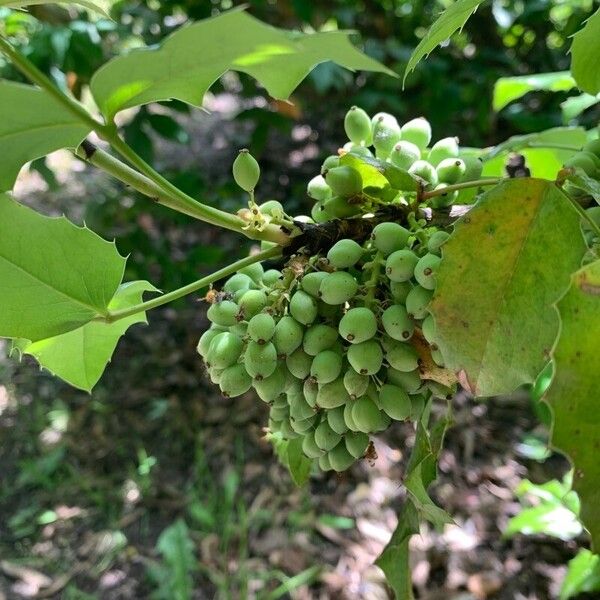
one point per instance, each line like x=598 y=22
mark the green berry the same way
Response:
x=426 y=270
x=417 y=302
x=318 y=189
x=344 y=254
x=390 y=237
x=310 y=389
x=223 y=313
x=335 y=418
x=357 y=125
x=318 y=338
x=325 y=437
x=338 y=207
x=239 y=281
x=246 y=171
x=451 y=170
x=444 y=199
x=270 y=386
x=271 y=277
x=288 y=335
x=437 y=357
x=436 y=241
x=402 y=357
x=261 y=327
x=338 y=288
x=309 y=446
x=273 y=208
x=357 y=150
x=348 y=416
x=326 y=366
x=324 y=463
x=215 y=375
x=300 y=409
x=358 y=325
x=332 y=395
x=473 y=168
x=260 y=360
x=302 y=426
x=299 y=363
x=397 y=322
x=205 y=340
x=303 y=307
x=252 y=302
x=428 y=329
x=442 y=150
x=582 y=161
x=224 y=351
x=366 y=358
x=410 y=382
x=365 y=415
x=400 y=265
x=344 y=181
x=311 y=282
x=386 y=134
x=331 y=162
x=394 y=401
x=339 y=458
x=255 y=271
x=417 y=131
x=404 y=154
x=356 y=384
x=399 y=290
x=235 y=381
x=356 y=443
x=426 y=171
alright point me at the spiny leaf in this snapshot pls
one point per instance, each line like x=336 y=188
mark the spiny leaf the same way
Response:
x=585 y=51
x=33 y=125
x=79 y=357
x=450 y=21
x=509 y=89
x=574 y=395
x=55 y=276
x=93 y=6
x=508 y=261
x=194 y=57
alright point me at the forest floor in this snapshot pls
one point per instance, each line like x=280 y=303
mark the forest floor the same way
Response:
x=89 y=483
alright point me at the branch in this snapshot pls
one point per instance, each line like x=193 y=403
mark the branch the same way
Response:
x=192 y=287
x=463 y=186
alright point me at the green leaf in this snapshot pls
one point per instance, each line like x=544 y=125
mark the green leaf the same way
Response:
x=450 y=21
x=298 y=464
x=379 y=173
x=79 y=357
x=574 y=394
x=55 y=276
x=585 y=51
x=508 y=261
x=99 y=7
x=582 y=181
x=508 y=89
x=583 y=575
x=572 y=107
x=194 y=57
x=33 y=125
x=177 y=549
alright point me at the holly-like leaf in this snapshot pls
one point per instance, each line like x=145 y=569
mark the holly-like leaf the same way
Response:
x=33 y=124
x=574 y=394
x=99 y=7
x=450 y=21
x=379 y=173
x=55 y=276
x=79 y=357
x=194 y=57
x=508 y=261
x=585 y=51
x=509 y=89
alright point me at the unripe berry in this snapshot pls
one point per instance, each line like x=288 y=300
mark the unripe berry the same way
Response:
x=399 y=290
x=319 y=337
x=344 y=254
x=326 y=366
x=418 y=404
x=331 y=395
x=299 y=408
x=365 y=415
x=473 y=168
x=325 y=437
x=358 y=325
x=357 y=150
x=246 y=171
x=270 y=387
x=303 y=307
x=255 y=271
x=235 y=381
x=402 y=357
x=271 y=277
x=451 y=170
x=348 y=417
x=261 y=327
x=386 y=134
x=331 y=162
x=324 y=463
x=319 y=214
x=299 y=363
x=445 y=199
x=366 y=358
x=339 y=457
x=417 y=302
x=356 y=443
x=303 y=426
x=318 y=189
x=426 y=270
x=428 y=329
x=397 y=323
x=338 y=288
x=436 y=241
x=442 y=150
x=310 y=389
x=344 y=181
x=288 y=335
x=260 y=359
x=223 y=313
x=404 y=154
x=389 y=237
x=335 y=418
x=394 y=401
x=400 y=265
x=311 y=282
x=338 y=207
x=410 y=382
x=309 y=446
x=272 y=208
x=205 y=339
x=239 y=281
x=425 y=171
x=417 y=131
x=593 y=147
x=583 y=161
x=356 y=384
x=224 y=350
x=437 y=357
x=251 y=303
x=357 y=125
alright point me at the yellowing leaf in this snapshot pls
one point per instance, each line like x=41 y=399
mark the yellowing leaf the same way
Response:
x=508 y=261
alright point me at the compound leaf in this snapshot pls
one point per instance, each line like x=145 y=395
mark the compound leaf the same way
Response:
x=508 y=261
x=79 y=357
x=450 y=21
x=574 y=395
x=33 y=125
x=585 y=51
x=55 y=276
x=194 y=57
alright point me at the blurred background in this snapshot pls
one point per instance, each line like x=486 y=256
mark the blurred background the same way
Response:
x=155 y=486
